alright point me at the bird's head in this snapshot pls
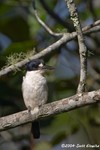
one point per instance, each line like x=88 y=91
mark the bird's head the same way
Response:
x=38 y=65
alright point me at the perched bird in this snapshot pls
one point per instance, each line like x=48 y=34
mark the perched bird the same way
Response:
x=34 y=89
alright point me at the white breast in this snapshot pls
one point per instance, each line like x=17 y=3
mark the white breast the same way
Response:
x=34 y=89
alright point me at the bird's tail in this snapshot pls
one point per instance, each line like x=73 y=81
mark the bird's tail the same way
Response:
x=35 y=129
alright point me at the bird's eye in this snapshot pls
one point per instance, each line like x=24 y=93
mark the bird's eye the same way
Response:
x=34 y=65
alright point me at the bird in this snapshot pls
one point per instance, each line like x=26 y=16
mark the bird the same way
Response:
x=35 y=89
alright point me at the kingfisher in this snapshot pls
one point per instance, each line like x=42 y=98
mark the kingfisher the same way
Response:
x=35 y=89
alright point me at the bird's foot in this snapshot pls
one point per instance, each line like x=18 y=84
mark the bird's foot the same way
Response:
x=29 y=109
x=32 y=111
x=35 y=110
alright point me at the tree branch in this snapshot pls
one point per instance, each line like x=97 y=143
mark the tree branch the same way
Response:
x=54 y=15
x=57 y=107
x=96 y=23
x=65 y=38
x=82 y=48
x=43 y=24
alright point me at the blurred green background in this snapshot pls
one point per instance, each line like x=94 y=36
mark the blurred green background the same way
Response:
x=20 y=33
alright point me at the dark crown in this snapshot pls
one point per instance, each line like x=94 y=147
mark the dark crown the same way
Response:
x=34 y=64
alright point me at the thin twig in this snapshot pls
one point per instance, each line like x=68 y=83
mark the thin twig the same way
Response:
x=57 y=107
x=92 y=30
x=82 y=48
x=53 y=14
x=43 y=24
x=96 y=23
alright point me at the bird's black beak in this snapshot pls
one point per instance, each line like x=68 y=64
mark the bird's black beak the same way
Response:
x=46 y=67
